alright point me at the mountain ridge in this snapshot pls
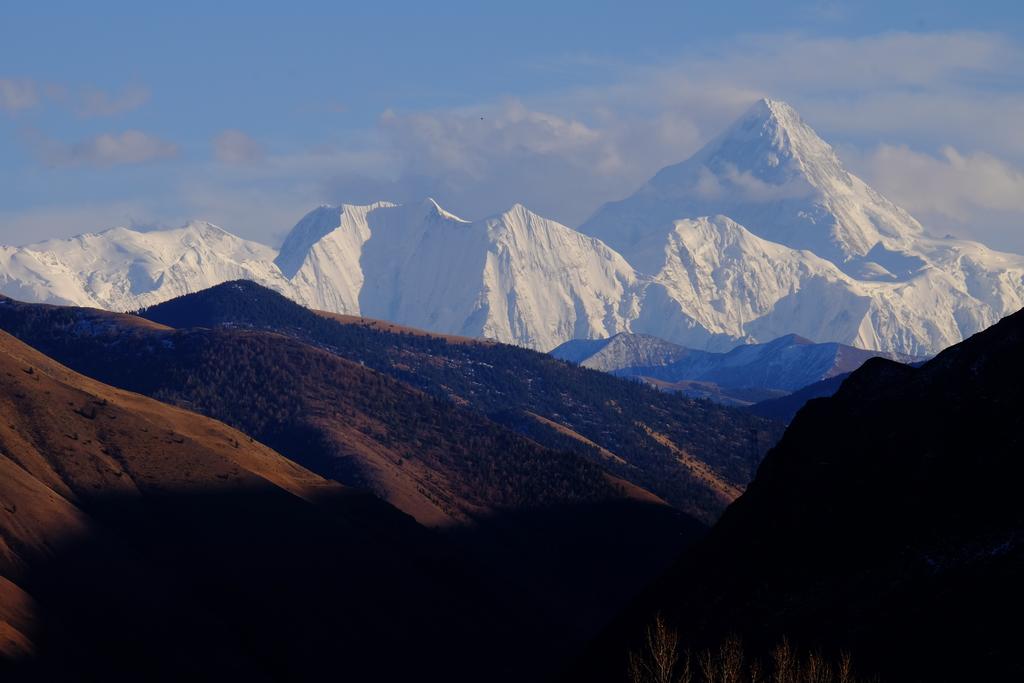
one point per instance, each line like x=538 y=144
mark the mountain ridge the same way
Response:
x=759 y=234
x=543 y=531
x=788 y=363
x=83 y=584
x=771 y=154
x=629 y=430
x=886 y=523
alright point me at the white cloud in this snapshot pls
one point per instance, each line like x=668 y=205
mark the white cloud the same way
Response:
x=235 y=147
x=809 y=70
x=258 y=212
x=563 y=153
x=17 y=94
x=953 y=184
x=745 y=186
x=483 y=159
x=108 y=149
x=567 y=152
x=972 y=195
x=467 y=142
x=957 y=115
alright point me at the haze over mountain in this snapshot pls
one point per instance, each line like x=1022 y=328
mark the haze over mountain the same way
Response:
x=760 y=234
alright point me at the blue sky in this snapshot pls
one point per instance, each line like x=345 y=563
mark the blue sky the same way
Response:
x=251 y=114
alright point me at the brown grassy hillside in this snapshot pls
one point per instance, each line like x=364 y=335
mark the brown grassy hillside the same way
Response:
x=122 y=517
x=436 y=461
x=186 y=526
x=653 y=437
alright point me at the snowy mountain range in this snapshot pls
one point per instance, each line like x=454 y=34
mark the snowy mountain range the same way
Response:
x=763 y=233
x=515 y=277
x=760 y=234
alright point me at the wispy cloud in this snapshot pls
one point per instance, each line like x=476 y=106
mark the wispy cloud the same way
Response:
x=108 y=149
x=972 y=195
x=483 y=159
x=45 y=222
x=565 y=153
x=235 y=147
x=945 y=107
x=876 y=62
x=94 y=102
x=952 y=184
x=18 y=94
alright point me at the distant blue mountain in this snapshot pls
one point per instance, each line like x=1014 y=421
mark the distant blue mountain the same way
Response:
x=781 y=366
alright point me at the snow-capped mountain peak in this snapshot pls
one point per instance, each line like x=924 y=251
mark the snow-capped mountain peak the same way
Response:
x=771 y=172
x=318 y=224
x=760 y=234
x=123 y=268
x=796 y=244
x=432 y=204
x=515 y=276
x=772 y=144
x=623 y=350
x=203 y=228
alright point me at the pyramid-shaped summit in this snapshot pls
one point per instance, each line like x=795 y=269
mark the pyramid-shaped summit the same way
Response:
x=773 y=174
x=763 y=232
x=771 y=143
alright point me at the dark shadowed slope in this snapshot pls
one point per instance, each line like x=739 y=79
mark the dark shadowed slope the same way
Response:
x=785 y=408
x=695 y=455
x=558 y=542
x=431 y=459
x=139 y=541
x=784 y=364
x=888 y=521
